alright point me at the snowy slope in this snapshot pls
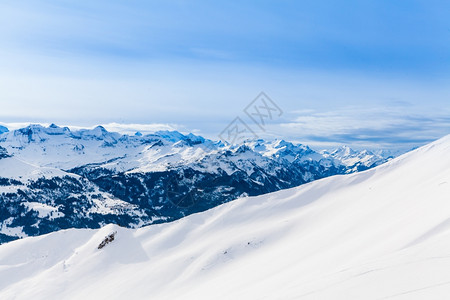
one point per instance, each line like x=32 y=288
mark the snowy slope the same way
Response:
x=15 y=168
x=380 y=234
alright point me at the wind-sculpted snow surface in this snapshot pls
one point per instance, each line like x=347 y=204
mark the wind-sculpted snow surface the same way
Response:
x=380 y=234
x=53 y=178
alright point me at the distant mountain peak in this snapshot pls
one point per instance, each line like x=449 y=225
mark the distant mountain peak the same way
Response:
x=173 y=136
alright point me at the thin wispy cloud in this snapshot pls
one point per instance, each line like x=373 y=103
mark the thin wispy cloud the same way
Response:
x=384 y=127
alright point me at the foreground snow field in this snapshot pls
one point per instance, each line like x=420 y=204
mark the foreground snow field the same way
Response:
x=380 y=234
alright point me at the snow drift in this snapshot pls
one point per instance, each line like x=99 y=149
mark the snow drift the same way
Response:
x=380 y=234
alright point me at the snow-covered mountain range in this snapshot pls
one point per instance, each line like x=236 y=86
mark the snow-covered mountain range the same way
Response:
x=379 y=234
x=53 y=178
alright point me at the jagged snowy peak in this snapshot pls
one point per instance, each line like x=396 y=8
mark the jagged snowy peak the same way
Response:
x=241 y=158
x=98 y=133
x=356 y=160
x=343 y=151
x=175 y=136
x=38 y=133
x=284 y=151
x=379 y=234
x=390 y=153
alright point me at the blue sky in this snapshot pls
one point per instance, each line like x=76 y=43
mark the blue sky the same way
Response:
x=366 y=73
